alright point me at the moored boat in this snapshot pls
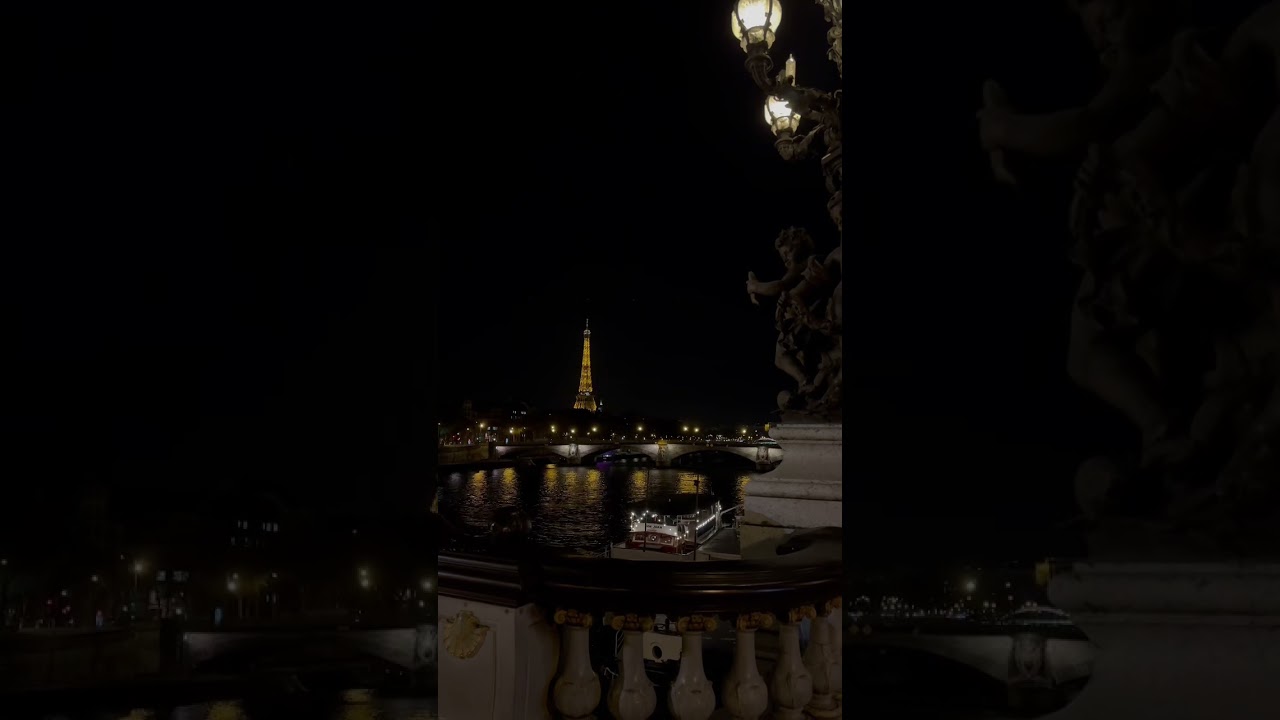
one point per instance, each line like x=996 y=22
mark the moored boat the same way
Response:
x=673 y=523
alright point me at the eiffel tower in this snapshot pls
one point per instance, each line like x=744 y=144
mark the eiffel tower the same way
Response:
x=586 y=399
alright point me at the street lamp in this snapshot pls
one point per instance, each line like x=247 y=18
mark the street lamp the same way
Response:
x=755 y=25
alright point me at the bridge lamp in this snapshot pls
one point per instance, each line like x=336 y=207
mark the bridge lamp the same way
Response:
x=593 y=429
x=686 y=428
x=573 y=431
x=779 y=116
x=695 y=429
x=755 y=22
x=426 y=584
x=639 y=428
x=553 y=428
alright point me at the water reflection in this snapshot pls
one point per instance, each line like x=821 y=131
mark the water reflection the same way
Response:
x=571 y=506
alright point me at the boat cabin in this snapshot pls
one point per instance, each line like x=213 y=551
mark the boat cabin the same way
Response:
x=673 y=523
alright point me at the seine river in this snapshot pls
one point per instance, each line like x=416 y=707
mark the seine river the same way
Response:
x=575 y=507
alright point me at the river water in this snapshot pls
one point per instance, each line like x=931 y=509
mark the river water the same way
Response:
x=576 y=507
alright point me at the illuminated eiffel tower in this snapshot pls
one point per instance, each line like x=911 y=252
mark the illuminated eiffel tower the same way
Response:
x=586 y=399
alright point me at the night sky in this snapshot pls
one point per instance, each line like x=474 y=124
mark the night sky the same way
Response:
x=226 y=241
x=638 y=189
x=213 y=260
x=647 y=203
x=642 y=185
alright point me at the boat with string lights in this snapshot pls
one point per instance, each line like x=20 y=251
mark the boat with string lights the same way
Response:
x=678 y=525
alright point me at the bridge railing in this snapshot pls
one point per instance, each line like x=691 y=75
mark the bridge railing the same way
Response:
x=559 y=623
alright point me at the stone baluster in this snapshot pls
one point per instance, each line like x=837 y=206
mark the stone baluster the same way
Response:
x=745 y=695
x=631 y=696
x=792 y=684
x=692 y=696
x=820 y=660
x=577 y=689
x=837 y=648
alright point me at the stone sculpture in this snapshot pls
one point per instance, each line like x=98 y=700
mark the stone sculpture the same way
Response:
x=1176 y=222
x=809 y=320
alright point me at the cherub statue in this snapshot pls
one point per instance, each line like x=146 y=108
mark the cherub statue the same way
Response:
x=1133 y=40
x=1177 y=323
x=796 y=353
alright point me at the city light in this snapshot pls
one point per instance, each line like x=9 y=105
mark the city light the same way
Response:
x=93 y=578
x=233 y=586
x=426 y=584
x=639 y=428
x=138 y=567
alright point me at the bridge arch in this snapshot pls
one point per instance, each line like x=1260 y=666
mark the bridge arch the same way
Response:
x=516 y=452
x=737 y=459
x=633 y=449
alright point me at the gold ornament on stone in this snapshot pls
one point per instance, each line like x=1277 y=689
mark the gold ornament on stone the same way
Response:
x=573 y=618
x=697 y=623
x=631 y=622
x=800 y=613
x=754 y=621
x=464 y=635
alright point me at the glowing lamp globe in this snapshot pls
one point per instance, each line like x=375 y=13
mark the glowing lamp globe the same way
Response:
x=780 y=117
x=756 y=21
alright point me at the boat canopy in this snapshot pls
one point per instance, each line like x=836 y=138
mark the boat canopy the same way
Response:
x=675 y=504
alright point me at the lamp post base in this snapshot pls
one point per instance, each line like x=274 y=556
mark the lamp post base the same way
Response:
x=804 y=492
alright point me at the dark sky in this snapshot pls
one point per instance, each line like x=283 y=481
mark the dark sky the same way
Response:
x=641 y=185
x=636 y=183
x=226 y=237
x=213 y=260
x=647 y=201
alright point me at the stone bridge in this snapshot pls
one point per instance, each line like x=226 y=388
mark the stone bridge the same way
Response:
x=1020 y=658
x=765 y=456
x=412 y=649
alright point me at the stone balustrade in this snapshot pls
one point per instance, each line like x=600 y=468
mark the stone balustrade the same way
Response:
x=554 y=624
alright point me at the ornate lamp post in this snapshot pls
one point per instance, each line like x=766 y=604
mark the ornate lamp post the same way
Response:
x=809 y=294
x=809 y=312
x=755 y=24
